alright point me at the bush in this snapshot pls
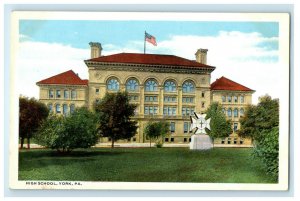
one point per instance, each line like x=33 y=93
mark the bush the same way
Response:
x=267 y=149
x=64 y=134
x=159 y=145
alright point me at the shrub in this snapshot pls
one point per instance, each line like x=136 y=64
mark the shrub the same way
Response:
x=159 y=145
x=64 y=134
x=267 y=148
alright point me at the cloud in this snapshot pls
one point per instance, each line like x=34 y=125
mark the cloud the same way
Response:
x=39 y=60
x=247 y=58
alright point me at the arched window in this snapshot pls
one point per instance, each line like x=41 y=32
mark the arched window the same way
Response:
x=65 y=109
x=72 y=108
x=229 y=112
x=170 y=86
x=224 y=110
x=113 y=84
x=151 y=85
x=57 y=108
x=242 y=111
x=235 y=112
x=132 y=85
x=188 y=87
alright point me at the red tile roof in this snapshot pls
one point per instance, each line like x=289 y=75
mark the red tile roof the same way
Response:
x=224 y=83
x=68 y=78
x=150 y=59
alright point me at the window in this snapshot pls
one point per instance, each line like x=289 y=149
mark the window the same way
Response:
x=242 y=99
x=242 y=112
x=235 y=99
x=150 y=98
x=58 y=108
x=229 y=140
x=202 y=94
x=66 y=94
x=113 y=84
x=170 y=86
x=72 y=108
x=188 y=99
x=58 y=94
x=235 y=141
x=203 y=104
x=223 y=99
x=97 y=91
x=166 y=139
x=133 y=98
x=241 y=141
x=187 y=110
x=188 y=87
x=184 y=139
x=132 y=85
x=151 y=85
x=223 y=141
x=235 y=112
x=172 y=139
x=65 y=109
x=150 y=110
x=186 y=127
x=229 y=99
x=172 y=127
x=170 y=99
x=235 y=127
x=134 y=139
x=189 y=139
x=50 y=106
x=51 y=94
x=229 y=112
x=224 y=110
x=169 y=111
x=73 y=94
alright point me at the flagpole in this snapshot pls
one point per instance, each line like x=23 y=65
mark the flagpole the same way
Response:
x=145 y=43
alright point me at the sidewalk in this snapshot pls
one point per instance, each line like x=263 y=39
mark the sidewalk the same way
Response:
x=140 y=145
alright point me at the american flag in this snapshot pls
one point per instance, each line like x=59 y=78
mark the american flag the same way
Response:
x=151 y=39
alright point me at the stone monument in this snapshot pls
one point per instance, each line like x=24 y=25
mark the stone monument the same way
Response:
x=200 y=140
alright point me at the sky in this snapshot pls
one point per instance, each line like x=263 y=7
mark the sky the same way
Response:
x=245 y=52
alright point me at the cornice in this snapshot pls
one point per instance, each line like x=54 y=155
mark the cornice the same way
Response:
x=149 y=68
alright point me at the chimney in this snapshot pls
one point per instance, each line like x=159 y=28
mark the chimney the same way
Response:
x=201 y=55
x=96 y=49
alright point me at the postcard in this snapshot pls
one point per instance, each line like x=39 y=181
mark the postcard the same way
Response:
x=149 y=101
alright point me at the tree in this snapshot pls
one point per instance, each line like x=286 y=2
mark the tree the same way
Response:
x=115 y=114
x=156 y=129
x=264 y=116
x=31 y=115
x=219 y=126
x=261 y=124
x=65 y=133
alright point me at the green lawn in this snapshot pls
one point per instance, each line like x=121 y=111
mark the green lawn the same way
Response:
x=222 y=165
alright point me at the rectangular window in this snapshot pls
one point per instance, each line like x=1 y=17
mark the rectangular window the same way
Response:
x=150 y=110
x=166 y=139
x=184 y=139
x=229 y=140
x=51 y=94
x=170 y=111
x=242 y=99
x=223 y=99
x=223 y=141
x=66 y=94
x=150 y=98
x=186 y=127
x=235 y=141
x=97 y=91
x=202 y=94
x=172 y=139
x=235 y=99
x=58 y=108
x=235 y=127
x=170 y=99
x=229 y=99
x=73 y=94
x=187 y=110
x=172 y=127
x=58 y=94
x=203 y=104
x=188 y=99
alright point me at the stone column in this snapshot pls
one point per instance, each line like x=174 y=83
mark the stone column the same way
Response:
x=161 y=100
x=179 y=105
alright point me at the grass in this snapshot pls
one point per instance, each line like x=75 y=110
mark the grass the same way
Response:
x=221 y=165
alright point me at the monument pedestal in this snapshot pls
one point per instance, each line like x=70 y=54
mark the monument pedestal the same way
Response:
x=201 y=142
